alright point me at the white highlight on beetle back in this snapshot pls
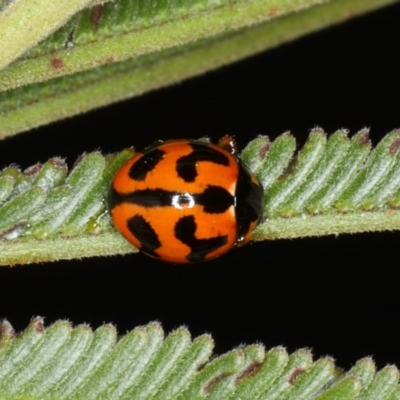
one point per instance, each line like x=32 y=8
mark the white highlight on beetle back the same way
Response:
x=183 y=200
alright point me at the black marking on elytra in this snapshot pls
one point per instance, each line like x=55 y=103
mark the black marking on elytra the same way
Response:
x=144 y=232
x=214 y=199
x=145 y=164
x=149 y=197
x=113 y=198
x=186 y=165
x=185 y=230
x=249 y=197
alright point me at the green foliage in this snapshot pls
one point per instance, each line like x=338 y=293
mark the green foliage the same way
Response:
x=124 y=48
x=62 y=362
x=117 y=31
x=112 y=51
x=331 y=185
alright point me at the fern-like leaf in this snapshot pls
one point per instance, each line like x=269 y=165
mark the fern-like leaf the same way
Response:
x=332 y=185
x=63 y=362
x=124 y=48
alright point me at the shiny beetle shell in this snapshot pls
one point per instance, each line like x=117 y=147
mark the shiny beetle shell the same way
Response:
x=185 y=201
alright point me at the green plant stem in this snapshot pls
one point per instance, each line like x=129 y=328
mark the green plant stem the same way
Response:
x=24 y=23
x=38 y=104
x=329 y=224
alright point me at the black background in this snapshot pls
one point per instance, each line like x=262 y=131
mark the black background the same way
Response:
x=336 y=295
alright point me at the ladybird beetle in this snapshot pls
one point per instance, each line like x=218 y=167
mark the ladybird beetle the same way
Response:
x=186 y=200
